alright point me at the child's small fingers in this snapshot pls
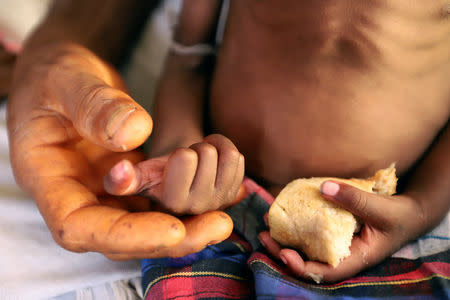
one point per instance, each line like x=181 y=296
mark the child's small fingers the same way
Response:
x=270 y=244
x=322 y=272
x=237 y=183
x=202 y=189
x=293 y=260
x=308 y=270
x=178 y=177
x=227 y=165
x=124 y=178
x=240 y=195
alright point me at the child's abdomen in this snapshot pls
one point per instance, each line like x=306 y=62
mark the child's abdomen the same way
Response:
x=297 y=104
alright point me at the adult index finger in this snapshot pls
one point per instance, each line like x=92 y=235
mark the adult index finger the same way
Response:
x=79 y=223
x=201 y=231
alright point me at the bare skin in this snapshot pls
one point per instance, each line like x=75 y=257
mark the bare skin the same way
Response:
x=6 y=67
x=356 y=87
x=201 y=173
x=351 y=78
x=70 y=120
x=324 y=88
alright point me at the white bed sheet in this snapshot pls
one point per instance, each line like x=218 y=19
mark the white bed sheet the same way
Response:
x=32 y=265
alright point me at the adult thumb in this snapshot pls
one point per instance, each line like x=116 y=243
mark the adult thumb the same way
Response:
x=99 y=109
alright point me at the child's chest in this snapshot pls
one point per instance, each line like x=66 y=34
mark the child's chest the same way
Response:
x=324 y=98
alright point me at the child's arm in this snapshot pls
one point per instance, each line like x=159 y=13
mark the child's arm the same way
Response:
x=179 y=103
x=69 y=119
x=187 y=173
x=430 y=184
x=390 y=222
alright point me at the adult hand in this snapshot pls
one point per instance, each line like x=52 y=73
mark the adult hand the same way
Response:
x=69 y=121
x=7 y=61
x=192 y=180
x=388 y=223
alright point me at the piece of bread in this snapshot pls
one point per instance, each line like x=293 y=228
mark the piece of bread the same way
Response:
x=302 y=219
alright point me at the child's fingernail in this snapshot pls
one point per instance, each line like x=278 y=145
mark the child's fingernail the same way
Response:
x=283 y=259
x=117 y=173
x=330 y=188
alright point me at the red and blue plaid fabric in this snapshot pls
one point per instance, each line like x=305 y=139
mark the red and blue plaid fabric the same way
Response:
x=240 y=269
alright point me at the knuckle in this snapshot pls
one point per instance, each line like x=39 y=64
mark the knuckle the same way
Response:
x=197 y=209
x=68 y=58
x=201 y=201
x=94 y=99
x=185 y=156
x=242 y=160
x=219 y=140
x=61 y=239
x=205 y=149
x=232 y=155
x=215 y=136
x=230 y=195
x=62 y=61
x=234 y=192
x=238 y=180
x=175 y=208
x=97 y=94
x=359 y=201
x=200 y=204
x=222 y=197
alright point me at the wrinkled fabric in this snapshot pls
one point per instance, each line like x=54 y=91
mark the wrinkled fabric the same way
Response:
x=32 y=265
x=239 y=268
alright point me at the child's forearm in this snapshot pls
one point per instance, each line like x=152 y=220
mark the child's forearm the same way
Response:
x=179 y=104
x=429 y=184
x=178 y=111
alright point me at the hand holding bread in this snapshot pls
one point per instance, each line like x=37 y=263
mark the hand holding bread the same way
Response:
x=301 y=218
x=387 y=223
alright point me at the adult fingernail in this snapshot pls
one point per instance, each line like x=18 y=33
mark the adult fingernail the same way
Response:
x=117 y=118
x=330 y=188
x=283 y=259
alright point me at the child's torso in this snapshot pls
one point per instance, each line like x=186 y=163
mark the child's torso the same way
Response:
x=332 y=88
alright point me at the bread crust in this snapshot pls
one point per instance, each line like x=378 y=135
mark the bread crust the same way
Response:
x=301 y=218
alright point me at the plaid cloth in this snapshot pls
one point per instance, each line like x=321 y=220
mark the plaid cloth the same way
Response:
x=239 y=268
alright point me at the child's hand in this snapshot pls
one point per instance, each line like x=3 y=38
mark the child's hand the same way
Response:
x=206 y=176
x=69 y=122
x=389 y=222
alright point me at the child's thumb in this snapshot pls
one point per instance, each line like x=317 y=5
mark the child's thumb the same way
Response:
x=369 y=207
